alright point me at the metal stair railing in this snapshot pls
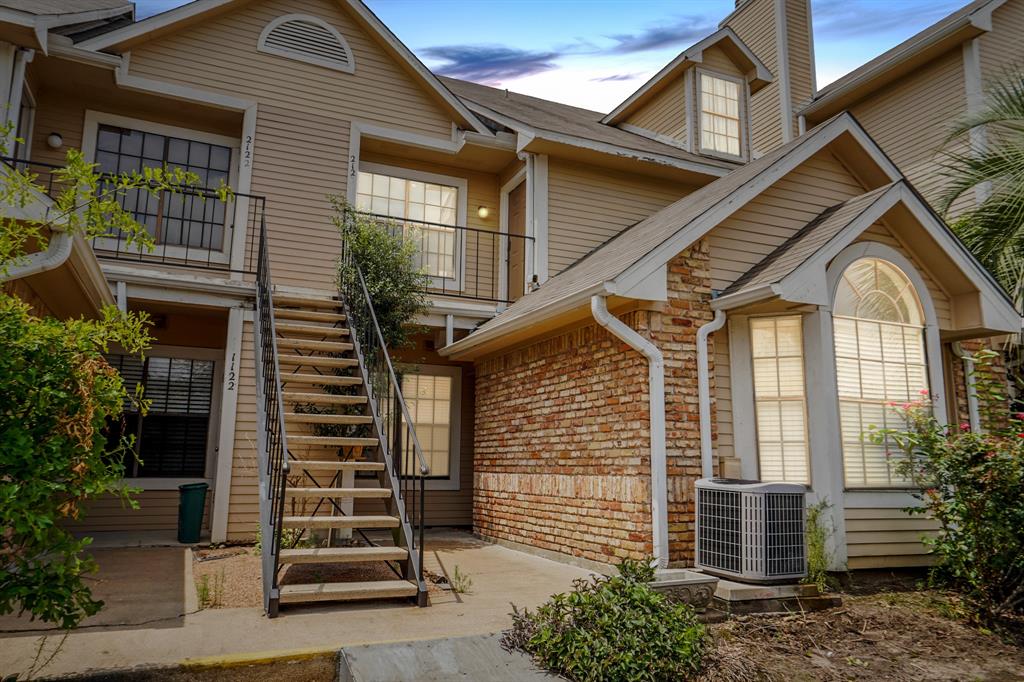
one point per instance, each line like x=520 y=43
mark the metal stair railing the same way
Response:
x=405 y=464
x=271 y=439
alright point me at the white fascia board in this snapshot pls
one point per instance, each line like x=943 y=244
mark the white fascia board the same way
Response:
x=736 y=200
x=172 y=283
x=527 y=134
x=58 y=20
x=153 y=23
x=569 y=302
x=63 y=48
x=450 y=146
x=743 y=297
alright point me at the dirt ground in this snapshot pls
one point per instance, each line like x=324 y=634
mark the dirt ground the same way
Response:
x=230 y=577
x=887 y=631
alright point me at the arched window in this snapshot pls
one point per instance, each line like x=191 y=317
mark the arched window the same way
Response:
x=880 y=360
x=307 y=39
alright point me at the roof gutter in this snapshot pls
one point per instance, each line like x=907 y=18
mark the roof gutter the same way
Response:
x=656 y=393
x=707 y=463
x=53 y=256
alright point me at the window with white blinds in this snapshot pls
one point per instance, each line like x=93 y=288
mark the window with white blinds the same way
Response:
x=780 y=398
x=719 y=115
x=880 y=361
x=432 y=399
x=171 y=439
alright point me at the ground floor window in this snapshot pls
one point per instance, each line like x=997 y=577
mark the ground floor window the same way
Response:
x=779 y=395
x=432 y=394
x=172 y=438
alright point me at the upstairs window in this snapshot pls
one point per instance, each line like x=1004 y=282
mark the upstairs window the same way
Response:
x=427 y=213
x=307 y=39
x=780 y=398
x=719 y=115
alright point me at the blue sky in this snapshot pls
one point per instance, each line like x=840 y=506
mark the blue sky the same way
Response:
x=594 y=53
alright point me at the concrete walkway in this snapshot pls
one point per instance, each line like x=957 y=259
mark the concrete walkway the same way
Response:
x=500 y=576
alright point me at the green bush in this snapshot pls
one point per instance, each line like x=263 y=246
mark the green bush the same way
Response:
x=388 y=262
x=973 y=485
x=612 y=629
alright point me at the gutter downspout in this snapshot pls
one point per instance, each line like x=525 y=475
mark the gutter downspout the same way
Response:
x=57 y=251
x=974 y=416
x=707 y=465
x=656 y=392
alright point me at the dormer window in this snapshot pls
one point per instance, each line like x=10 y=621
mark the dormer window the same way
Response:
x=720 y=115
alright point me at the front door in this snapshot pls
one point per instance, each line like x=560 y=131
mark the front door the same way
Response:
x=517 y=245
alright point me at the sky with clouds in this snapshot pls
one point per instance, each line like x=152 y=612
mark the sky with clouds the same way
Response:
x=595 y=53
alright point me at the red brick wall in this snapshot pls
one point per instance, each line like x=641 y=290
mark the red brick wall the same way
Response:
x=997 y=370
x=562 y=439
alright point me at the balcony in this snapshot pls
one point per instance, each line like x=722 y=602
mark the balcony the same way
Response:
x=191 y=228
x=464 y=262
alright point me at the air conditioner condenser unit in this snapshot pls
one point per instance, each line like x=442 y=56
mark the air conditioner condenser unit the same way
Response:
x=751 y=531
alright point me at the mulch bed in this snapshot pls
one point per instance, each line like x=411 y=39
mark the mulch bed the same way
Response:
x=890 y=635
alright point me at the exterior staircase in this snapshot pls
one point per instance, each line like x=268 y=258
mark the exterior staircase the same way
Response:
x=332 y=434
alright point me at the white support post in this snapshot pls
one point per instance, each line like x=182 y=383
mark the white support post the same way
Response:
x=226 y=436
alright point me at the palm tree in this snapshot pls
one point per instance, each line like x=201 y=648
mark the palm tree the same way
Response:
x=992 y=228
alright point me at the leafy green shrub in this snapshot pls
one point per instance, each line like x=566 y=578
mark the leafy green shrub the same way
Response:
x=973 y=485
x=395 y=283
x=612 y=629
x=818 y=532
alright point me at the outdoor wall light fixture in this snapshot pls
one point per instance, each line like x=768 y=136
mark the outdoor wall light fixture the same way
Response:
x=483 y=212
x=54 y=141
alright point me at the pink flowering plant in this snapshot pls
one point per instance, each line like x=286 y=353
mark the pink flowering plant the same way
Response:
x=972 y=483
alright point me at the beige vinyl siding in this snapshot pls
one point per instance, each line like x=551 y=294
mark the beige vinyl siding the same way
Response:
x=158 y=511
x=884 y=538
x=801 y=62
x=244 y=506
x=715 y=59
x=665 y=113
x=302 y=131
x=911 y=118
x=587 y=206
x=754 y=23
x=482 y=249
x=1002 y=47
x=746 y=237
x=941 y=299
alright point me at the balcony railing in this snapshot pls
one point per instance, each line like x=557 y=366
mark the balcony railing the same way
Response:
x=191 y=227
x=465 y=262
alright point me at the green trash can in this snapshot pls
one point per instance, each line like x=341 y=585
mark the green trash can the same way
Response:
x=191 y=502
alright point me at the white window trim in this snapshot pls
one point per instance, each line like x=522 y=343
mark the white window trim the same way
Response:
x=452 y=481
x=213 y=431
x=262 y=46
x=753 y=395
x=93 y=121
x=461 y=184
x=27 y=97
x=699 y=109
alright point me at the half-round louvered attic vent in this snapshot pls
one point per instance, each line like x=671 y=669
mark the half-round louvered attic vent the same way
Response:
x=307 y=39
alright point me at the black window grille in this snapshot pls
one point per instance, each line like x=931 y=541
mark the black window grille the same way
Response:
x=171 y=439
x=189 y=219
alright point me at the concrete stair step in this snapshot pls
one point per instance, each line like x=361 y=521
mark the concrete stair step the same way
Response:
x=300 y=301
x=323 y=398
x=316 y=361
x=310 y=344
x=310 y=329
x=334 y=465
x=303 y=418
x=334 y=493
x=320 y=379
x=341 y=522
x=339 y=555
x=308 y=315
x=377 y=589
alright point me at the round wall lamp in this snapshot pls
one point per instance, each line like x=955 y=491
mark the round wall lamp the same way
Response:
x=483 y=212
x=54 y=141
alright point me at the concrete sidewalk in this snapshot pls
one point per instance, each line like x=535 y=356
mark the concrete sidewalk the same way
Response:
x=500 y=576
